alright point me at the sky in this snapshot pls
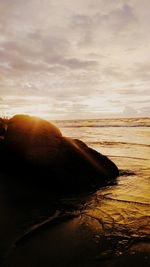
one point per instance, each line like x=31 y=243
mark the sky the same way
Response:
x=67 y=59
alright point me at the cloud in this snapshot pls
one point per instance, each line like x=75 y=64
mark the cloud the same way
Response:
x=145 y=110
x=118 y=19
x=130 y=112
x=50 y=54
x=95 y=52
x=142 y=70
x=132 y=92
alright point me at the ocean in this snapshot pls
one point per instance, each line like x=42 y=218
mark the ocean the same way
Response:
x=127 y=143
x=110 y=227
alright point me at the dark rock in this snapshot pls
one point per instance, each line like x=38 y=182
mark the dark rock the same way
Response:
x=38 y=155
x=3 y=129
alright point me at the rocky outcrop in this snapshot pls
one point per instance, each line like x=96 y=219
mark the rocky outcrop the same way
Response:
x=37 y=154
x=3 y=128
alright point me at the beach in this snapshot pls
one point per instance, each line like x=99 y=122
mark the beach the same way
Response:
x=109 y=227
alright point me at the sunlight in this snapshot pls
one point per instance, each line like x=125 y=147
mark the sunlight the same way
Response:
x=31 y=105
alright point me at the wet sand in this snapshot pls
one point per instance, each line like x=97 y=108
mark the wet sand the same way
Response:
x=80 y=231
x=76 y=242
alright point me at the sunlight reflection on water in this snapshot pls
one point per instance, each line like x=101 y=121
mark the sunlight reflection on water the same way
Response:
x=123 y=208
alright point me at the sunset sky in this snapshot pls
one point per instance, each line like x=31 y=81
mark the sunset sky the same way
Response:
x=65 y=59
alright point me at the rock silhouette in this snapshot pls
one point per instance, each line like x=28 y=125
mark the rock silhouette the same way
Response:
x=36 y=154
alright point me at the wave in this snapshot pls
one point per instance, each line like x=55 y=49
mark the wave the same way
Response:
x=116 y=143
x=101 y=125
x=136 y=122
x=126 y=157
x=108 y=197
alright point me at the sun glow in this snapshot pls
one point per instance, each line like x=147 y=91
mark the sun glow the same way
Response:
x=32 y=105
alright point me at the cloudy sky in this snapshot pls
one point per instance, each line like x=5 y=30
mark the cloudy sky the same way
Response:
x=64 y=59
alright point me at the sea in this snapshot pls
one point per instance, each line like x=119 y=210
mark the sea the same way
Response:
x=110 y=227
